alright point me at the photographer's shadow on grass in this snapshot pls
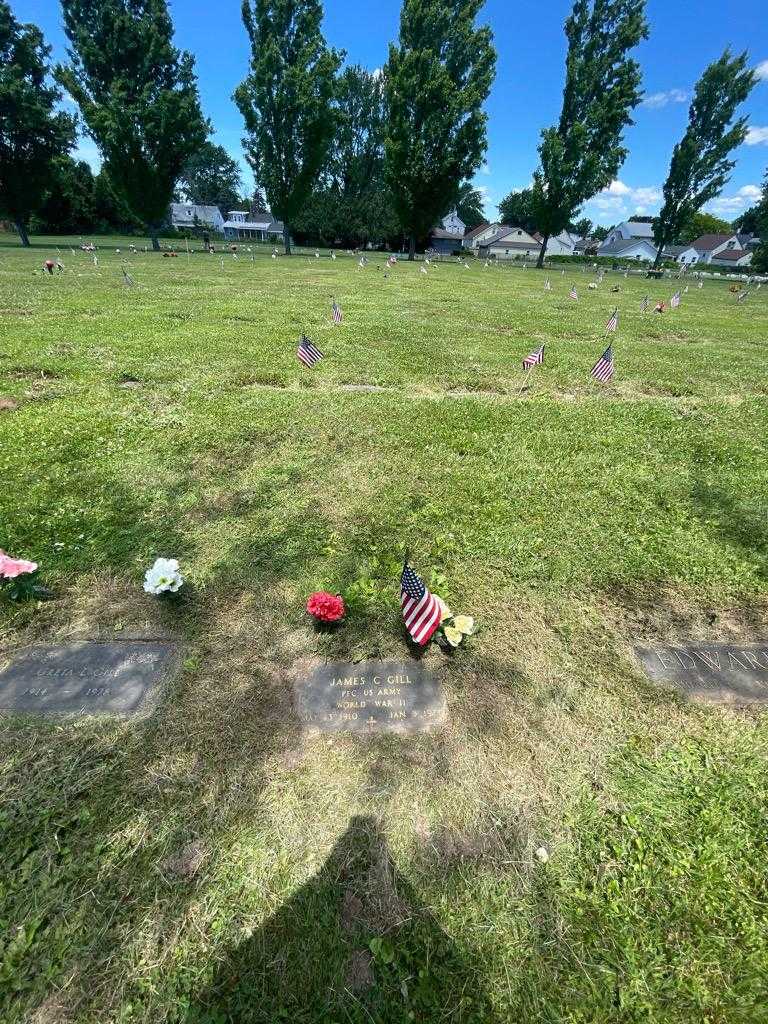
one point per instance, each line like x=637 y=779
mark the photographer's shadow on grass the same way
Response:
x=353 y=944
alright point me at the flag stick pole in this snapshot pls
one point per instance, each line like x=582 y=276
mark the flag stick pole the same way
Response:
x=526 y=377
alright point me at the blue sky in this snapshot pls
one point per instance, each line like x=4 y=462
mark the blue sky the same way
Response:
x=685 y=36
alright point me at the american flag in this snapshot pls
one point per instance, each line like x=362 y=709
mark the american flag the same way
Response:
x=603 y=368
x=573 y=293
x=674 y=302
x=127 y=279
x=421 y=610
x=701 y=284
x=423 y=270
x=547 y=285
x=336 y=311
x=645 y=304
x=534 y=358
x=613 y=323
x=308 y=353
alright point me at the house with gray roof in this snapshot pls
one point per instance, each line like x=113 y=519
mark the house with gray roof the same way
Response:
x=187 y=216
x=258 y=227
x=628 y=249
x=509 y=244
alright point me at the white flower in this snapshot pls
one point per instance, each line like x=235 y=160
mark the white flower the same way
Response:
x=163 y=577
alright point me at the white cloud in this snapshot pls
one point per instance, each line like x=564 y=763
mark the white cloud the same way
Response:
x=88 y=151
x=762 y=71
x=746 y=196
x=657 y=100
x=757 y=137
x=485 y=169
x=618 y=192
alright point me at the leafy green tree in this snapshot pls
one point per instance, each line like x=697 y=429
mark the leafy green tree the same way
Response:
x=760 y=258
x=583 y=152
x=138 y=97
x=701 y=164
x=212 y=178
x=287 y=102
x=32 y=133
x=701 y=224
x=600 y=233
x=747 y=222
x=110 y=210
x=68 y=208
x=516 y=210
x=469 y=205
x=583 y=228
x=436 y=79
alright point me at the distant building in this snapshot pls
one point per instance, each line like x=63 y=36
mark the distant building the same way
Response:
x=640 y=249
x=449 y=235
x=683 y=254
x=627 y=230
x=586 y=247
x=191 y=215
x=718 y=249
x=563 y=244
x=259 y=227
x=473 y=239
x=509 y=244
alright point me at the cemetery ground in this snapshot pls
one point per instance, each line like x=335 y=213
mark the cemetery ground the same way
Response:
x=212 y=862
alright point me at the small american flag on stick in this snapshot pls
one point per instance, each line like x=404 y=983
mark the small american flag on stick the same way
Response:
x=547 y=286
x=573 y=294
x=336 y=311
x=603 y=368
x=308 y=353
x=613 y=323
x=645 y=304
x=674 y=302
x=534 y=358
x=421 y=610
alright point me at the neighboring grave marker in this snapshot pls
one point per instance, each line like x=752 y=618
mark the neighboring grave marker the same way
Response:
x=372 y=696
x=114 y=678
x=719 y=673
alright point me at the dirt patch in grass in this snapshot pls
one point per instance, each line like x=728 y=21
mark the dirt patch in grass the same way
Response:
x=671 y=617
x=358 y=975
x=8 y=404
x=186 y=862
x=31 y=373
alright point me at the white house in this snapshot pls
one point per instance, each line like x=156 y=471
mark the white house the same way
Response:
x=474 y=239
x=732 y=258
x=453 y=223
x=629 y=249
x=563 y=244
x=711 y=247
x=509 y=244
x=191 y=215
x=629 y=229
x=260 y=227
x=683 y=254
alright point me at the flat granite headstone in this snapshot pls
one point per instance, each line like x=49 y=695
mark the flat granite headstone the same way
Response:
x=371 y=696
x=720 y=673
x=110 y=678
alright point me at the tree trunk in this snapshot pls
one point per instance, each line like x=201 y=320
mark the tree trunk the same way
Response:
x=21 y=227
x=153 y=236
x=657 y=261
x=412 y=248
x=542 y=253
x=287 y=239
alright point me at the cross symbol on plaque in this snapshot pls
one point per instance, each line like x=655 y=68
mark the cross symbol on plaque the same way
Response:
x=371 y=720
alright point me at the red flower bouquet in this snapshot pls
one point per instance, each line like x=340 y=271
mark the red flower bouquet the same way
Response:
x=326 y=607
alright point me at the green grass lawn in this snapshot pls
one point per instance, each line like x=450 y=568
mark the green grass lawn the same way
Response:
x=213 y=863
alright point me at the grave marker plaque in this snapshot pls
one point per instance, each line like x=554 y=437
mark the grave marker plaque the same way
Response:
x=114 y=678
x=372 y=696
x=719 y=673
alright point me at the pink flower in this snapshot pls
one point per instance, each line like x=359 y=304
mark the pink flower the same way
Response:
x=10 y=568
x=325 y=607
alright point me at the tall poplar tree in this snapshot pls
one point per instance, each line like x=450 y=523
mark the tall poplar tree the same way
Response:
x=583 y=152
x=287 y=102
x=700 y=165
x=32 y=133
x=437 y=79
x=138 y=97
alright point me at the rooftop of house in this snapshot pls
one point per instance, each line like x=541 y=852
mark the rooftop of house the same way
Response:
x=504 y=232
x=732 y=255
x=706 y=243
x=616 y=248
x=478 y=230
x=640 y=229
x=675 y=250
x=188 y=211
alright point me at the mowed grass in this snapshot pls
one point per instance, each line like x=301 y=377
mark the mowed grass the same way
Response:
x=214 y=863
